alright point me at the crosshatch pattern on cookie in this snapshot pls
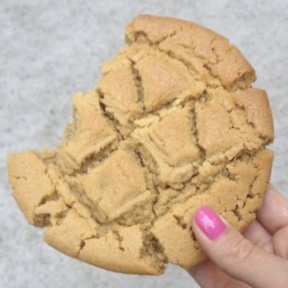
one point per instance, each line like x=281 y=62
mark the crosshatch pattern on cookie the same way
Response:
x=172 y=125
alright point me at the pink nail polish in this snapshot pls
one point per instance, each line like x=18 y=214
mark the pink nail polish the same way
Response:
x=209 y=222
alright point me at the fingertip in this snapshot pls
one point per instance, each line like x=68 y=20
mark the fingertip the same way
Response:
x=209 y=222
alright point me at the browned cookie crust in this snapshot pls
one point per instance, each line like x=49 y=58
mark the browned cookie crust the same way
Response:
x=172 y=125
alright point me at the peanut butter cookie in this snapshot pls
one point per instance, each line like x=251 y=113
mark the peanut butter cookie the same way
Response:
x=172 y=125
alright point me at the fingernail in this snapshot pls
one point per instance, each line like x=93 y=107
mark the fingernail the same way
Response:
x=209 y=222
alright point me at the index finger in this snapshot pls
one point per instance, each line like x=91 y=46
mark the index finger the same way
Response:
x=274 y=213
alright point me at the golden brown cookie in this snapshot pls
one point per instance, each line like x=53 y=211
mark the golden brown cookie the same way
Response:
x=172 y=125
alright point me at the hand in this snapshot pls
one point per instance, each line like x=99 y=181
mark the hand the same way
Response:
x=258 y=258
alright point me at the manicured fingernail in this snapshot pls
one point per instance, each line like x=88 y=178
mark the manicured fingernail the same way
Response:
x=209 y=222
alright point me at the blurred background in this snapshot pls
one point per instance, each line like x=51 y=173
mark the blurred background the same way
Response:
x=51 y=49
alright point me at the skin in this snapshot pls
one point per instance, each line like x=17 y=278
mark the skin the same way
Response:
x=258 y=258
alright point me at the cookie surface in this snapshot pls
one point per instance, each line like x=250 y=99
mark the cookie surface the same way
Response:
x=173 y=125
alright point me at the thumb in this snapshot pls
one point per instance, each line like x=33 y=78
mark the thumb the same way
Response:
x=237 y=256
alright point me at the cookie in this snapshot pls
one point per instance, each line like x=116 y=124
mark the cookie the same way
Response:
x=173 y=124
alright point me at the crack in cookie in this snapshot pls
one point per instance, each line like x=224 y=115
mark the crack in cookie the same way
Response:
x=173 y=124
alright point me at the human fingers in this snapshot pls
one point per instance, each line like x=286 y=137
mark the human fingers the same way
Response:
x=274 y=213
x=280 y=242
x=237 y=256
x=208 y=275
x=259 y=236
